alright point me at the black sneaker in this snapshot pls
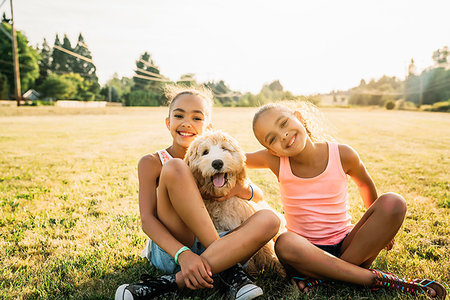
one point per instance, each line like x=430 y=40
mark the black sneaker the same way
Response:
x=239 y=285
x=149 y=288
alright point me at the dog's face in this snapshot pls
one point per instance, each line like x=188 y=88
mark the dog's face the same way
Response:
x=217 y=163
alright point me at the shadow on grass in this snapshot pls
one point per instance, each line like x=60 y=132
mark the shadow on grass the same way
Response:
x=102 y=285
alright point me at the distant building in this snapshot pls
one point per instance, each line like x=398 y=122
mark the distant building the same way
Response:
x=334 y=99
x=31 y=95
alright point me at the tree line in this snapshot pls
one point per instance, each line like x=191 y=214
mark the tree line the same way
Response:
x=66 y=71
x=427 y=87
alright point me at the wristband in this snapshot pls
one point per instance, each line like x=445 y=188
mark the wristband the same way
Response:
x=182 y=249
x=252 y=192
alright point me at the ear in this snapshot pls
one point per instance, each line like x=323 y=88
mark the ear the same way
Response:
x=209 y=127
x=167 y=122
x=299 y=116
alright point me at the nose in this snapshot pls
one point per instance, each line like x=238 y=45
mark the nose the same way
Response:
x=284 y=135
x=187 y=124
x=217 y=164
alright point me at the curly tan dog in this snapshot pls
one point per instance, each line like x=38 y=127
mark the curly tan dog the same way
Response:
x=218 y=163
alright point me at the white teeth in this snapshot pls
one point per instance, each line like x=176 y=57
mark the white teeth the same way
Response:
x=292 y=141
x=185 y=134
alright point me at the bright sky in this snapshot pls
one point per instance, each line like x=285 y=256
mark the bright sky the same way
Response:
x=310 y=46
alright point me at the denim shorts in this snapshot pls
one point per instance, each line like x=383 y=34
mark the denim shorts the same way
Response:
x=166 y=263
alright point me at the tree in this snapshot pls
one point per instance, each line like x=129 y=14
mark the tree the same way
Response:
x=4 y=88
x=276 y=86
x=28 y=60
x=57 y=87
x=57 y=60
x=121 y=86
x=86 y=69
x=440 y=56
x=110 y=93
x=45 y=63
x=223 y=94
x=145 y=66
x=187 y=80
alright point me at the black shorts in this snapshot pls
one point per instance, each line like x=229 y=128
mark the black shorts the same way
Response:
x=333 y=249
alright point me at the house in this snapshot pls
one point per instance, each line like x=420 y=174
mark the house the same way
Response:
x=31 y=95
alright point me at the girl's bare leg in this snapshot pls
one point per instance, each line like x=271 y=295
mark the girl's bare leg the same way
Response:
x=372 y=233
x=239 y=245
x=180 y=206
x=181 y=209
x=375 y=230
x=297 y=252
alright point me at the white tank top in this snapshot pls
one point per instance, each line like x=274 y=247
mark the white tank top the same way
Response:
x=164 y=156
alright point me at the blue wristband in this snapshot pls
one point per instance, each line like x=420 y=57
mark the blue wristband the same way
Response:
x=182 y=249
x=252 y=192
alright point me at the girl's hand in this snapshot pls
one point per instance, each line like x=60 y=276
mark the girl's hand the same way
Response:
x=196 y=271
x=241 y=190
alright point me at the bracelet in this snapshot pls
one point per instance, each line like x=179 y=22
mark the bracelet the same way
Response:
x=252 y=192
x=182 y=249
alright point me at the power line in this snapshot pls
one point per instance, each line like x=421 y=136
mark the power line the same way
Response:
x=151 y=78
x=150 y=73
x=73 y=54
x=148 y=64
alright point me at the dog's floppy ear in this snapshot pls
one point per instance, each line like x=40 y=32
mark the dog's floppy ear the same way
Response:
x=236 y=147
x=192 y=151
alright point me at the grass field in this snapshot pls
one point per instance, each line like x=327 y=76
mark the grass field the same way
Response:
x=69 y=221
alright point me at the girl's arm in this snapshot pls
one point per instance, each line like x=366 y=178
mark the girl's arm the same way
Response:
x=149 y=169
x=263 y=159
x=354 y=167
x=248 y=190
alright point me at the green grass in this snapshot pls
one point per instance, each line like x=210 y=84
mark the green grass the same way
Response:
x=69 y=220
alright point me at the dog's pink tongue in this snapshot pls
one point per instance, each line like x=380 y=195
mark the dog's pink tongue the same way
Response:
x=219 y=179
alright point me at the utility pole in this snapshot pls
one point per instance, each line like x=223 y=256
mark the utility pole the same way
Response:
x=15 y=59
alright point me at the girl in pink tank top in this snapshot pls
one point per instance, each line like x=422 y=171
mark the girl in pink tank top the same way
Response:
x=313 y=184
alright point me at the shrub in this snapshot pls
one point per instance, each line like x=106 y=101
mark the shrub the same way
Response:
x=142 y=98
x=405 y=105
x=390 y=105
x=443 y=106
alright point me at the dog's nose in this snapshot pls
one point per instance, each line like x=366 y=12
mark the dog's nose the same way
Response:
x=217 y=164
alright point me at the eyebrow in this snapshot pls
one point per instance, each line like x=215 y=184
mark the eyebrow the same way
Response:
x=194 y=111
x=276 y=121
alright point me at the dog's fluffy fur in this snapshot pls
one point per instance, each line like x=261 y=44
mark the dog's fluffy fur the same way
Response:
x=218 y=164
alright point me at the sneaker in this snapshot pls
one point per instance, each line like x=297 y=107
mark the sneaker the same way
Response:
x=149 y=288
x=239 y=285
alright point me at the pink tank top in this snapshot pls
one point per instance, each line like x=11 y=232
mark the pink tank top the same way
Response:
x=317 y=208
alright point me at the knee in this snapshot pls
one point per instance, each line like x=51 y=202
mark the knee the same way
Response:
x=287 y=247
x=269 y=222
x=393 y=205
x=174 y=169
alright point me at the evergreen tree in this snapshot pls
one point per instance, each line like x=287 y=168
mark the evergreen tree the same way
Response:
x=57 y=59
x=45 y=63
x=146 y=67
x=84 y=68
x=68 y=60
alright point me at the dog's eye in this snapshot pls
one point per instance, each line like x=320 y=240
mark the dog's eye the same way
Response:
x=205 y=152
x=224 y=148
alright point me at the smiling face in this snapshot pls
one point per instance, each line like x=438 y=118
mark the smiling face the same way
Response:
x=188 y=118
x=281 y=131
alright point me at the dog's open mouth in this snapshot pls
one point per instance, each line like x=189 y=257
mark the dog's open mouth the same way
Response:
x=219 y=179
